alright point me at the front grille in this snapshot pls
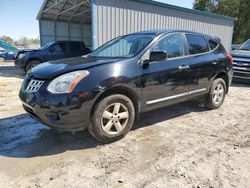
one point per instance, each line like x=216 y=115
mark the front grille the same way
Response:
x=241 y=68
x=34 y=86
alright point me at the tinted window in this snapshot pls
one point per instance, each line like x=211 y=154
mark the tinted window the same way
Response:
x=56 y=48
x=75 y=46
x=63 y=47
x=173 y=44
x=212 y=43
x=197 y=44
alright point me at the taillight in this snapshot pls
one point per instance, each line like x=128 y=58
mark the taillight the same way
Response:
x=230 y=57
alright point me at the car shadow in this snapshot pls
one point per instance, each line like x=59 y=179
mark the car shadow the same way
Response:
x=11 y=71
x=23 y=137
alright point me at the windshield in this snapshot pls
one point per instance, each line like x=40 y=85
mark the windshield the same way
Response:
x=125 y=46
x=246 y=45
x=46 y=45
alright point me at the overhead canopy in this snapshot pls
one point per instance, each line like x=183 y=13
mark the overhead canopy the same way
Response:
x=77 y=11
x=6 y=46
x=98 y=21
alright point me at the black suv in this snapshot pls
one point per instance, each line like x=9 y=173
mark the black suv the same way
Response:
x=106 y=90
x=27 y=59
x=241 y=63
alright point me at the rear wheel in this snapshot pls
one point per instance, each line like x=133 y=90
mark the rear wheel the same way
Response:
x=31 y=64
x=112 y=119
x=217 y=94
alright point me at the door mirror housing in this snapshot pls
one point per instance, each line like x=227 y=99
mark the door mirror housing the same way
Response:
x=158 y=56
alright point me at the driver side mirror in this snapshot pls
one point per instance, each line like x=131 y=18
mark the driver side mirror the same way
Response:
x=158 y=56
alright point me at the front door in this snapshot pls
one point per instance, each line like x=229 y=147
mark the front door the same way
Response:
x=56 y=51
x=166 y=81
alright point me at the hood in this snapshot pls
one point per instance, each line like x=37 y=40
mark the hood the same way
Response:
x=53 y=69
x=16 y=54
x=241 y=53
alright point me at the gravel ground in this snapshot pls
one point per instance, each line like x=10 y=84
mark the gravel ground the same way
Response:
x=179 y=146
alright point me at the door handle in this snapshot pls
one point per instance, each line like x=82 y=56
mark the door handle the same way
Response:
x=184 y=67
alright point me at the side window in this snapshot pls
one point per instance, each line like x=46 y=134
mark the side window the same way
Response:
x=56 y=48
x=197 y=44
x=63 y=47
x=173 y=44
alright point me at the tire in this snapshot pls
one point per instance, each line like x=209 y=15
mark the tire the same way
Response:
x=104 y=126
x=216 y=95
x=31 y=64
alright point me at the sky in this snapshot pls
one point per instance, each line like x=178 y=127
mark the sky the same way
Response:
x=18 y=17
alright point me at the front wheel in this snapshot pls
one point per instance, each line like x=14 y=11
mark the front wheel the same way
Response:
x=216 y=95
x=112 y=119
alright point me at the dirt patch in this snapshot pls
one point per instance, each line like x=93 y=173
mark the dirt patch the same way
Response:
x=180 y=146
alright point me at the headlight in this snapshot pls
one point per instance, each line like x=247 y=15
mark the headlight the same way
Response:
x=21 y=55
x=66 y=82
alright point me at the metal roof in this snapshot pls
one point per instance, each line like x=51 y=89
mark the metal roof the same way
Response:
x=66 y=10
x=194 y=11
x=80 y=10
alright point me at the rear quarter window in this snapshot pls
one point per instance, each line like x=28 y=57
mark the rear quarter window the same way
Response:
x=212 y=43
x=196 y=44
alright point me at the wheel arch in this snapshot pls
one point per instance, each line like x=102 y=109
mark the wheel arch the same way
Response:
x=225 y=77
x=123 y=90
x=34 y=58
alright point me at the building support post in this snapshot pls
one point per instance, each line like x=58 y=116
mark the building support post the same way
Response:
x=55 y=30
x=94 y=23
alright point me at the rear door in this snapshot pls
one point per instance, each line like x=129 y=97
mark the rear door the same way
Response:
x=202 y=63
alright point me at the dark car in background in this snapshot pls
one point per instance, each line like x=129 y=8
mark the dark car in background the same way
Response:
x=241 y=63
x=106 y=90
x=235 y=46
x=27 y=59
x=6 y=55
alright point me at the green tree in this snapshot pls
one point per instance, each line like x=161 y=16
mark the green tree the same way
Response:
x=7 y=39
x=239 y=9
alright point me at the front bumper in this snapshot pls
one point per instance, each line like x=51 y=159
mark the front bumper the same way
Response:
x=69 y=112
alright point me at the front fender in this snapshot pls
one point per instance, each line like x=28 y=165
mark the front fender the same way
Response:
x=35 y=57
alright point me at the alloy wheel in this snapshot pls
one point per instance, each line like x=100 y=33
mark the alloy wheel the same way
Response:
x=114 y=118
x=218 y=94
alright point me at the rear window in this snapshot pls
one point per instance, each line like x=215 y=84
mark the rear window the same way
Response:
x=197 y=44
